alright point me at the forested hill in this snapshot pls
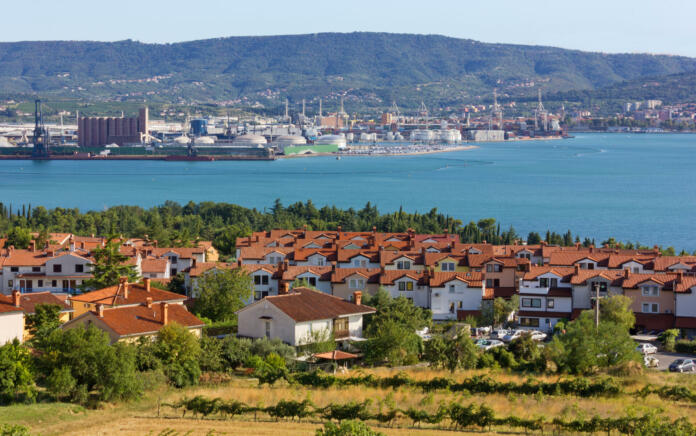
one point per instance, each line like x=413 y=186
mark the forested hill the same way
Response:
x=375 y=66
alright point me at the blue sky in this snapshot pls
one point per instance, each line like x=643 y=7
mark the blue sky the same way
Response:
x=653 y=26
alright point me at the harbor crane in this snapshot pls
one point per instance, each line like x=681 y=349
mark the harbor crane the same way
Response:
x=541 y=115
x=41 y=136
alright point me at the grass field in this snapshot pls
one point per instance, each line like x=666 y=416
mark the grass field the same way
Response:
x=151 y=416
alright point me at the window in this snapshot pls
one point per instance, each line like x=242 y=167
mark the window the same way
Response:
x=257 y=280
x=403 y=264
x=496 y=283
x=356 y=283
x=258 y=295
x=553 y=283
x=312 y=281
x=172 y=272
x=14 y=269
x=54 y=283
x=451 y=309
x=489 y=283
x=636 y=269
x=40 y=285
x=452 y=289
x=35 y=269
x=603 y=286
x=57 y=268
x=448 y=266
x=461 y=305
x=268 y=329
x=9 y=283
x=651 y=308
x=651 y=291
x=320 y=261
x=409 y=286
x=529 y=322
x=494 y=267
x=531 y=302
x=173 y=259
x=550 y=303
x=264 y=280
x=543 y=282
x=360 y=263
x=79 y=268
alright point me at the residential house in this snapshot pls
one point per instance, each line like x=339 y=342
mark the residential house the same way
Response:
x=302 y=314
x=11 y=318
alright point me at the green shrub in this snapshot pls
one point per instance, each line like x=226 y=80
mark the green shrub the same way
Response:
x=347 y=428
x=668 y=339
x=685 y=346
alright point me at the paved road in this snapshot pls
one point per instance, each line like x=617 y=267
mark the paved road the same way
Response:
x=666 y=358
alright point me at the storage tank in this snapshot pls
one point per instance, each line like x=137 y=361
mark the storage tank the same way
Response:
x=450 y=136
x=199 y=127
x=328 y=140
x=182 y=140
x=350 y=137
x=419 y=135
x=204 y=140
x=249 y=140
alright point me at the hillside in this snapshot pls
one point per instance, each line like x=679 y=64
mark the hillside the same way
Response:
x=375 y=67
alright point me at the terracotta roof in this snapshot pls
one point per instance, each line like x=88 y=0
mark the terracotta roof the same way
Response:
x=583 y=275
x=6 y=305
x=336 y=355
x=662 y=263
x=562 y=272
x=324 y=272
x=634 y=280
x=137 y=294
x=201 y=267
x=17 y=257
x=302 y=254
x=389 y=276
x=339 y=275
x=303 y=304
x=255 y=252
x=138 y=320
x=29 y=301
x=154 y=265
x=473 y=279
x=182 y=252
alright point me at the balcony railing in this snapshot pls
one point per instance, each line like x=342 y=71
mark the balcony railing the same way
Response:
x=341 y=334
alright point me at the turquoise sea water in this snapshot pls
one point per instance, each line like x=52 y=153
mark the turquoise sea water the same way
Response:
x=632 y=187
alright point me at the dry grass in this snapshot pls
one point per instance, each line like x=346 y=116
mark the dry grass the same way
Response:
x=141 y=417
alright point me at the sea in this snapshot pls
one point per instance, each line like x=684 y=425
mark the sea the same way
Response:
x=633 y=187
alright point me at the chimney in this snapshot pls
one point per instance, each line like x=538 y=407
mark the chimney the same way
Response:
x=284 y=288
x=148 y=302
x=374 y=230
x=146 y=281
x=82 y=245
x=72 y=243
x=239 y=263
x=627 y=272
x=680 y=276
x=577 y=268
x=32 y=246
x=165 y=313
x=357 y=297
x=100 y=310
x=16 y=298
x=193 y=262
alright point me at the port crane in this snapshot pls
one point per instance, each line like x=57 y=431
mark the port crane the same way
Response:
x=42 y=138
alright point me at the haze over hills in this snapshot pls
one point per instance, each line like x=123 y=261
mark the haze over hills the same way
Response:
x=374 y=67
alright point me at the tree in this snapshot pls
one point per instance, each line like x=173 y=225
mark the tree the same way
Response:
x=457 y=352
x=178 y=350
x=61 y=383
x=177 y=284
x=96 y=366
x=533 y=238
x=502 y=309
x=393 y=342
x=524 y=348
x=43 y=322
x=221 y=292
x=617 y=309
x=347 y=428
x=668 y=338
x=18 y=237
x=584 y=349
x=109 y=266
x=225 y=241
x=16 y=378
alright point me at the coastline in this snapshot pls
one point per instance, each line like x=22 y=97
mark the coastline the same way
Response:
x=412 y=153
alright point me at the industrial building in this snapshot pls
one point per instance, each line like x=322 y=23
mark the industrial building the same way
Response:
x=100 y=131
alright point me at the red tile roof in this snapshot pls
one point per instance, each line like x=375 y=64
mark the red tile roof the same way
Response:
x=339 y=275
x=473 y=279
x=139 y=320
x=303 y=304
x=137 y=294
x=29 y=301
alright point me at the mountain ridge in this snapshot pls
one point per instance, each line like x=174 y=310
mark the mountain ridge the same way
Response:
x=373 y=67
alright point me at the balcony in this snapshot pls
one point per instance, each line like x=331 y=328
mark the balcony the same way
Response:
x=341 y=334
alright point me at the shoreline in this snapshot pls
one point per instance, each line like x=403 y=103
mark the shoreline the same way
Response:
x=412 y=153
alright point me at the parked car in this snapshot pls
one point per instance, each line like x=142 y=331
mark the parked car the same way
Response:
x=499 y=333
x=512 y=335
x=482 y=331
x=646 y=349
x=487 y=344
x=683 y=365
x=651 y=361
x=538 y=335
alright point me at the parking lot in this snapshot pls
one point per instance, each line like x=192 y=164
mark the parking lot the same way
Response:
x=666 y=358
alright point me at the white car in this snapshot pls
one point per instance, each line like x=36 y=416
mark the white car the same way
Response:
x=538 y=336
x=651 y=361
x=499 y=333
x=646 y=349
x=487 y=344
x=511 y=336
